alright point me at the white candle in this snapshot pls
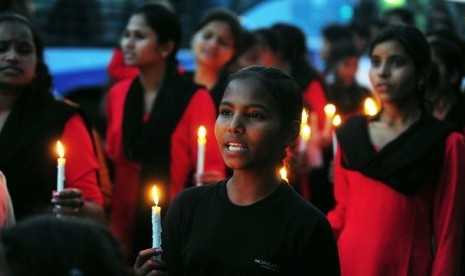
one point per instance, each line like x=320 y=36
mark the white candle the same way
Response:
x=330 y=111
x=201 y=141
x=283 y=173
x=336 y=122
x=305 y=136
x=334 y=143
x=60 y=167
x=305 y=131
x=156 y=220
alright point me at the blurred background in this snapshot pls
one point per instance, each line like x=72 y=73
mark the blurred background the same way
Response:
x=80 y=34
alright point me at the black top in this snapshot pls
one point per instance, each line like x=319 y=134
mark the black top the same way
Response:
x=402 y=163
x=204 y=233
x=27 y=141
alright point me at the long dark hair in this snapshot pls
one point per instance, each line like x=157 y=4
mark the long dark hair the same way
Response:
x=164 y=22
x=293 y=48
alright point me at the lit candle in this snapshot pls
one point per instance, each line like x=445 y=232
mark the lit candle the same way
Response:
x=201 y=141
x=305 y=131
x=336 y=122
x=156 y=220
x=61 y=167
x=330 y=111
x=283 y=173
x=370 y=107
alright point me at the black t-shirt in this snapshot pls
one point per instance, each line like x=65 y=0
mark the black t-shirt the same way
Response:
x=204 y=233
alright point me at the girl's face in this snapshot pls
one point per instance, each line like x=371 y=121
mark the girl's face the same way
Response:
x=18 y=58
x=392 y=72
x=248 y=129
x=346 y=70
x=213 y=45
x=140 y=44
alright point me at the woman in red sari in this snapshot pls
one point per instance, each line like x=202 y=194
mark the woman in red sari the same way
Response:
x=399 y=178
x=152 y=125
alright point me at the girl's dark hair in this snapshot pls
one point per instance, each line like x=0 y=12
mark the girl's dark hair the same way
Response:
x=293 y=48
x=268 y=37
x=416 y=46
x=225 y=16
x=42 y=74
x=280 y=86
x=453 y=59
x=164 y=22
x=342 y=51
x=60 y=246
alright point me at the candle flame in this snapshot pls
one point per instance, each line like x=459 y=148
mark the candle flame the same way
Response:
x=337 y=120
x=283 y=173
x=155 y=194
x=330 y=110
x=60 y=149
x=202 y=132
x=304 y=116
x=370 y=107
x=305 y=132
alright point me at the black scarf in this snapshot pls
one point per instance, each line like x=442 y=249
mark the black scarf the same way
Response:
x=149 y=143
x=217 y=91
x=27 y=149
x=403 y=163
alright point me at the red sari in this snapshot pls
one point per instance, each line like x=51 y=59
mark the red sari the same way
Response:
x=381 y=231
x=199 y=111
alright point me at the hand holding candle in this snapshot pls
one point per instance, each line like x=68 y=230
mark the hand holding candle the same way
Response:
x=201 y=142
x=156 y=220
x=60 y=167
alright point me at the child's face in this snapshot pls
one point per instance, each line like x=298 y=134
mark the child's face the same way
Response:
x=346 y=70
x=248 y=129
x=213 y=45
x=17 y=54
x=392 y=72
x=140 y=43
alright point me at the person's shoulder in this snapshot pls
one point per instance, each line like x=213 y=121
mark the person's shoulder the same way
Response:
x=304 y=210
x=122 y=85
x=193 y=195
x=455 y=138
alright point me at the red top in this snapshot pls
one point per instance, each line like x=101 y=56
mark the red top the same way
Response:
x=118 y=70
x=383 y=232
x=315 y=96
x=81 y=162
x=199 y=111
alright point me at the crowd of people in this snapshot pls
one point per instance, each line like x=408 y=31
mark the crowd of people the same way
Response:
x=379 y=193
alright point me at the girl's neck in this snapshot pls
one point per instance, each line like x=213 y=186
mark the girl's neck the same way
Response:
x=248 y=187
x=206 y=76
x=152 y=77
x=400 y=116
